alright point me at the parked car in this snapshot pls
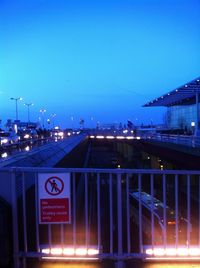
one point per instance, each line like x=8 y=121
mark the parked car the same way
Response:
x=27 y=134
x=8 y=138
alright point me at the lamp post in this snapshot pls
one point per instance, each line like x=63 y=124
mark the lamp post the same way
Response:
x=16 y=105
x=28 y=107
x=53 y=116
x=42 y=111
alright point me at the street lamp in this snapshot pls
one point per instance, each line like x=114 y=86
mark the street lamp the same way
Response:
x=42 y=111
x=53 y=116
x=16 y=105
x=28 y=107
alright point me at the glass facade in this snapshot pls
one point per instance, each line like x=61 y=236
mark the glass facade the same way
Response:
x=181 y=116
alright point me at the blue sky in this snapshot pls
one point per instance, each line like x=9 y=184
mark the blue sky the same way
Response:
x=99 y=60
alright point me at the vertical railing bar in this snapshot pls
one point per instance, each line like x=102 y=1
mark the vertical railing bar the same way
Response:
x=49 y=236
x=152 y=211
x=111 y=212
x=188 y=210
x=15 y=221
x=119 y=214
x=98 y=212
x=24 y=215
x=140 y=215
x=128 y=215
x=164 y=212
x=176 y=208
x=62 y=234
x=199 y=211
x=74 y=208
x=37 y=213
x=86 y=211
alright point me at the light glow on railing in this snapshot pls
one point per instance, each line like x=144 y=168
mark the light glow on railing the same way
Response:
x=92 y=251
x=168 y=252
x=67 y=253
x=56 y=251
x=81 y=251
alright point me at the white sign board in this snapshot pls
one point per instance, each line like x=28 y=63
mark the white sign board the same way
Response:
x=54 y=198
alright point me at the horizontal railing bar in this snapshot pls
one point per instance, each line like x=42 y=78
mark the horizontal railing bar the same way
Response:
x=99 y=170
x=32 y=254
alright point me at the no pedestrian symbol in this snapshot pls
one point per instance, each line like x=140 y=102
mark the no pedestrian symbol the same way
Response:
x=54 y=185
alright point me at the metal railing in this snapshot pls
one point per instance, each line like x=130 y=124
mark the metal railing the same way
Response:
x=116 y=214
x=191 y=141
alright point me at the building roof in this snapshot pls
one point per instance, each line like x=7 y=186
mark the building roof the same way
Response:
x=182 y=95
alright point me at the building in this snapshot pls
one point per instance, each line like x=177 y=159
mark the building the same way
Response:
x=183 y=106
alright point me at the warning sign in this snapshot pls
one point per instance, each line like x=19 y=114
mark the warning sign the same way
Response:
x=54 y=198
x=54 y=185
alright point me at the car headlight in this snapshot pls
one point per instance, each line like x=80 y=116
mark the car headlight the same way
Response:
x=3 y=141
x=26 y=136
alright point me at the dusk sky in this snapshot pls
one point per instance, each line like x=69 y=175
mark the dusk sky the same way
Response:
x=96 y=60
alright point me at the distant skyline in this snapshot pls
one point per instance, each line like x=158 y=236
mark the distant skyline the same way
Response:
x=95 y=60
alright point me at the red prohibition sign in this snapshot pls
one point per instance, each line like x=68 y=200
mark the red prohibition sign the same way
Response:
x=51 y=185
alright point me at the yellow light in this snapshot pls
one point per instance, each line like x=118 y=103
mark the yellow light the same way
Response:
x=68 y=251
x=46 y=250
x=149 y=251
x=171 y=251
x=93 y=251
x=81 y=251
x=56 y=251
x=194 y=251
x=138 y=138
x=55 y=258
x=159 y=251
x=129 y=137
x=182 y=251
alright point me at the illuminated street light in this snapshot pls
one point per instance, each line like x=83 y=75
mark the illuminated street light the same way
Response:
x=42 y=111
x=16 y=105
x=28 y=107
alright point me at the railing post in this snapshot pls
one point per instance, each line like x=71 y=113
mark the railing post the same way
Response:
x=15 y=222
x=120 y=263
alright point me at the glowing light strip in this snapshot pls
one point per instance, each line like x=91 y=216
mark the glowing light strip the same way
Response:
x=100 y=137
x=68 y=258
x=130 y=138
x=176 y=252
x=110 y=137
x=71 y=251
x=173 y=258
x=120 y=137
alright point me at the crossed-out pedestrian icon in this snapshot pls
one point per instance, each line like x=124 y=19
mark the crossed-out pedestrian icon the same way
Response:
x=54 y=185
